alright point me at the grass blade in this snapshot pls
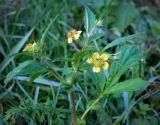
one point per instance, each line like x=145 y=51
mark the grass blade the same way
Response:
x=15 y=50
x=39 y=80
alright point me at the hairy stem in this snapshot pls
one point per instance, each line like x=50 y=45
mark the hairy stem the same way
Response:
x=73 y=108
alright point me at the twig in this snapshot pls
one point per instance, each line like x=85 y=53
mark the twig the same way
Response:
x=73 y=108
x=75 y=47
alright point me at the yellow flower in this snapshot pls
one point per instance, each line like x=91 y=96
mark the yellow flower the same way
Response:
x=28 y=47
x=31 y=47
x=73 y=35
x=98 y=61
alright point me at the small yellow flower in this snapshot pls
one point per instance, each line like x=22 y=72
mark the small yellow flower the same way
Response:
x=28 y=47
x=31 y=47
x=98 y=61
x=73 y=35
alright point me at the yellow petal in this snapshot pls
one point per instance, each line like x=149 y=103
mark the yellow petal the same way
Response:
x=96 y=55
x=79 y=32
x=76 y=36
x=27 y=47
x=73 y=31
x=70 y=40
x=89 y=61
x=34 y=44
x=96 y=69
x=105 y=65
x=104 y=56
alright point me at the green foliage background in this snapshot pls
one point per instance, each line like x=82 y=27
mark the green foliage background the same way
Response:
x=34 y=90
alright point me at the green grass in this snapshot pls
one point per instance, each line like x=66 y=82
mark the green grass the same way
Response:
x=56 y=86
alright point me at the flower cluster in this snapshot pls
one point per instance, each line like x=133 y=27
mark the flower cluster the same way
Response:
x=98 y=61
x=73 y=35
x=31 y=47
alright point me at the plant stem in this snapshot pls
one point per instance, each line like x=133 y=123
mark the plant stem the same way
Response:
x=73 y=108
x=72 y=99
x=75 y=47
x=89 y=108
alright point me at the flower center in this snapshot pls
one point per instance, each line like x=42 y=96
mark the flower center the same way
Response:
x=98 y=62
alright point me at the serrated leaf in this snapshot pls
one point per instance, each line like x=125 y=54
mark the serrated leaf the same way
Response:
x=129 y=56
x=128 y=86
x=98 y=80
x=120 y=41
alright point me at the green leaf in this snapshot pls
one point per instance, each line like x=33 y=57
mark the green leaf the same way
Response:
x=15 y=71
x=95 y=36
x=104 y=117
x=32 y=68
x=52 y=70
x=2 y=50
x=3 y=36
x=120 y=41
x=155 y=28
x=126 y=14
x=27 y=67
x=129 y=56
x=15 y=50
x=98 y=80
x=130 y=85
x=89 y=20
x=47 y=29
x=39 y=80
x=78 y=56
